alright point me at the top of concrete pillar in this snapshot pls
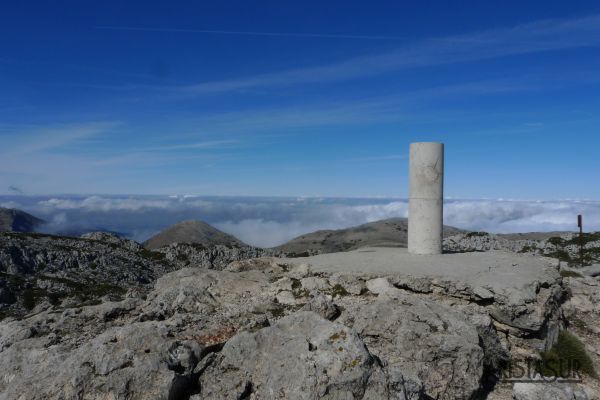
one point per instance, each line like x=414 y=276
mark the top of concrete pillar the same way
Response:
x=426 y=170
x=427 y=144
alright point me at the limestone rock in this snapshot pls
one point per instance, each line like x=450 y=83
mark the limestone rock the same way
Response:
x=420 y=342
x=209 y=334
x=320 y=304
x=128 y=361
x=548 y=391
x=303 y=356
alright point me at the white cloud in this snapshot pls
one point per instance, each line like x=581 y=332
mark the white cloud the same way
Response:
x=522 y=39
x=272 y=221
x=38 y=139
x=265 y=233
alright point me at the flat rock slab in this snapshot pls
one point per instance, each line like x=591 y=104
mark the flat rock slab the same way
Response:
x=497 y=270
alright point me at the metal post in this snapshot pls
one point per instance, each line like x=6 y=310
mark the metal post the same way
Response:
x=580 y=225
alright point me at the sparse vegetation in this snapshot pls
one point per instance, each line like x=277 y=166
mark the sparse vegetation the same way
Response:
x=584 y=239
x=29 y=299
x=338 y=291
x=297 y=290
x=561 y=255
x=278 y=312
x=29 y=294
x=156 y=256
x=577 y=322
x=566 y=247
x=338 y=336
x=34 y=235
x=477 y=234
x=296 y=284
x=5 y=314
x=570 y=274
x=296 y=255
x=568 y=349
x=556 y=241
x=528 y=249
x=300 y=293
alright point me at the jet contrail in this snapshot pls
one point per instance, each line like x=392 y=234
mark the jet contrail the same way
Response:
x=244 y=33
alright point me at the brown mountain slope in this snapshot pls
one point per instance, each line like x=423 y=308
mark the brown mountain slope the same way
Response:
x=13 y=220
x=196 y=232
x=388 y=232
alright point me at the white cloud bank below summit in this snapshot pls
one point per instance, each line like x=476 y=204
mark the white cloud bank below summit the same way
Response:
x=268 y=222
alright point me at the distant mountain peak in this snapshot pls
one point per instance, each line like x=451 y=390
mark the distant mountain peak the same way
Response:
x=392 y=232
x=194 y=232
x=13 y=220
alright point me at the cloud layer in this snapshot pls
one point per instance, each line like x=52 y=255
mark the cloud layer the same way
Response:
x=269 y=222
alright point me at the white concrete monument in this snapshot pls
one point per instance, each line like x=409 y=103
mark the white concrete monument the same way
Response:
x=426 y=198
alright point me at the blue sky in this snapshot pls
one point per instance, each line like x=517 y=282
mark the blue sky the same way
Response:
x=304 y=98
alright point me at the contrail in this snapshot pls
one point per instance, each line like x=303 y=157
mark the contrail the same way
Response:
x=244 y=33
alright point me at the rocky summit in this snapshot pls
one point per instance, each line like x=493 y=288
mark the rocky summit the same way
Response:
x=196 y=324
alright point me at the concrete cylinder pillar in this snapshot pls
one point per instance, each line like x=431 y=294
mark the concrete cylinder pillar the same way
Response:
x=426 y=198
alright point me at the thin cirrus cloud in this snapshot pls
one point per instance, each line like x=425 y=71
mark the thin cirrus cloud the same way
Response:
x=191 y=146
x=41 y=155
x=527 y=38
x=246 y=33
x=30 y=140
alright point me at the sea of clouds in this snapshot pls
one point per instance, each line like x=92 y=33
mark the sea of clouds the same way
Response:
x=267 y=222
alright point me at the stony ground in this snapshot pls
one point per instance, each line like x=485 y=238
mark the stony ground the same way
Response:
x=271 y=328
x=38 y=271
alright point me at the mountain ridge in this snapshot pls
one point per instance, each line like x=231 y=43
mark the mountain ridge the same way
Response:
x=192 y=232
x=14 y=220
x=386 y=232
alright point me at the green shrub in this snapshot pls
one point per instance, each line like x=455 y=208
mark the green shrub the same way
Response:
x=584 y=239
x=474 y=234
x=528 y=249
x=297 y=255
x=296 y=284
x=568 y=349
x=338 y=291
x=29 y=298
x=556 y=240
x=570 y=274
x=562 y=255
x=151 y=255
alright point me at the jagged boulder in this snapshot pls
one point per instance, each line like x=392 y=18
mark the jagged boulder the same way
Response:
x=303 y=356
x=420 y=342
x=550 y=391
x=128 y=361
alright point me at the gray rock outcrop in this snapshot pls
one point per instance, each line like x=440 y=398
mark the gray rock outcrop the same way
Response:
x=38 y=271
x=268 y=328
